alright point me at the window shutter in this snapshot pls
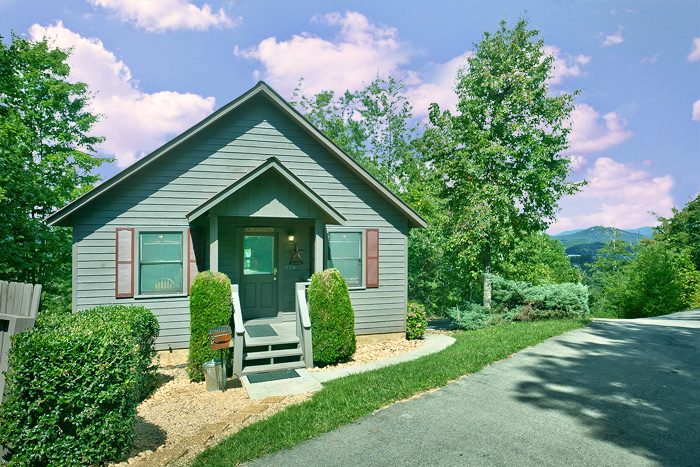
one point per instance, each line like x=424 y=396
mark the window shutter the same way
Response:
x=194 y=242
x=372 y=258
x=124 y=274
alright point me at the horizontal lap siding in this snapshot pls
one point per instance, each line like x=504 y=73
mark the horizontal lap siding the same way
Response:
x=161 y=194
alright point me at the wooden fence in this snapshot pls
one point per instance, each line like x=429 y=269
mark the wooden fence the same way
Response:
x=19 y=304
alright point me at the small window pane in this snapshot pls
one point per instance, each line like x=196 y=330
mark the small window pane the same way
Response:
x=161 y=278
x=158 y=247
x=345 y=254
x=258 y=254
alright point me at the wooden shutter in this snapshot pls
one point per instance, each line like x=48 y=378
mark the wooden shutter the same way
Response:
x=372 y=258
x=124 y=274
x=194 y=242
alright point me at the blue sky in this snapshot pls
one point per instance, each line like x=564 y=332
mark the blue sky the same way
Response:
x=157 y=67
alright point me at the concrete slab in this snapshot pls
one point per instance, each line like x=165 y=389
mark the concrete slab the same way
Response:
x=283 y=387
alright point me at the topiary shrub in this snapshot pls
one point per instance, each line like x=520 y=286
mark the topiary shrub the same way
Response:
x=332 y=318
x=416 y=321
x=210 y=306
x=74 y=385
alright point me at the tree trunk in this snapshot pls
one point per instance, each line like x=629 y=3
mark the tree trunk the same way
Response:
x=487 y=277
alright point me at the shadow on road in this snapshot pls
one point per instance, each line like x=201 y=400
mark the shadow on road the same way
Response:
x=634 y=385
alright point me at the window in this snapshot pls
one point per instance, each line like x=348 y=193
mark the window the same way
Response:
x=160 y=263
x=258 y=254
x=345 y=254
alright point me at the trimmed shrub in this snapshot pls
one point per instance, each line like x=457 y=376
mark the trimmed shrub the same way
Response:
x=210 y=306
x=416 y=321
x=74 y=385
x=332 y=318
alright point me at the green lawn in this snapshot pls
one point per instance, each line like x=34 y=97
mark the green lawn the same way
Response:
x=347 y=399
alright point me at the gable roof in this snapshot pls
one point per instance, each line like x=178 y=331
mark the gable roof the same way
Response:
x=62 y=216
x=271 y=165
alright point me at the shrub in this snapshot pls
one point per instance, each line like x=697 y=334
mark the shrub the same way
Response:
x=472 y=316
x=210 y=306
x=74 y=385
x=332 y=318
x=416 y=321
x=567 y=300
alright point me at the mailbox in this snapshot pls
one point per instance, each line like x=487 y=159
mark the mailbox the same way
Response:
x=220 y=338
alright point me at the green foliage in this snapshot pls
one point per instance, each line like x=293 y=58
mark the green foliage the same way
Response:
x=210 y=306
x=332 y=318
x=565 y=300
x=539 y=259
x=682 y=230
x=46 y=160
x=656 y=281
x=499 y=156
x=75 y=382
x=472 y=316
x=416 y=321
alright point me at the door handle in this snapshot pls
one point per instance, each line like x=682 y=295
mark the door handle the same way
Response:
x=274 y=274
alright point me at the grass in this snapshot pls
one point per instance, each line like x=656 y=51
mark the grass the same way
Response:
x=345 y=400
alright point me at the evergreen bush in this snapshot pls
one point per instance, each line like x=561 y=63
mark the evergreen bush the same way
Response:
x=472 y=316
x=210 y=306
x=566 y=300
x=74 y=384
x=332 y=318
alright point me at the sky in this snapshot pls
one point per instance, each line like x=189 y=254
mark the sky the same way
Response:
x=157 y=67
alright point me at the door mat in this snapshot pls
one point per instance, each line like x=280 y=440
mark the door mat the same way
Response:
x=260 y=330
x=272 y=376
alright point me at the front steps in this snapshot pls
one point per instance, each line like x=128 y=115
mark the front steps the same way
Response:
x=273 y=353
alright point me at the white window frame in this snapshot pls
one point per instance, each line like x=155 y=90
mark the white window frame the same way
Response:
x=363 y=251
x=137 y=262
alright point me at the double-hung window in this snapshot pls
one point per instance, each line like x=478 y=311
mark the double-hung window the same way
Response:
x=345 y=254
x=161 y=263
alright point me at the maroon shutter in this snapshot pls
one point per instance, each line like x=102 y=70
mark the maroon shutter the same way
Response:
x=124 y=267
x=372 y=258
x=193 y=253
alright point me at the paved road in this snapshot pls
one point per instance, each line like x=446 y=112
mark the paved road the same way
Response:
x=616 y=393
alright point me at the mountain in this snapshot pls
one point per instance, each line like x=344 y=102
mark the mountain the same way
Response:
x=582 y=245
x=600 y=234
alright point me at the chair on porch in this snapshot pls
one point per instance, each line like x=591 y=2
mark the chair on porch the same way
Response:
x=265 y=345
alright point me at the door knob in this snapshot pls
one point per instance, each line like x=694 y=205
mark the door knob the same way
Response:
x=274 y=274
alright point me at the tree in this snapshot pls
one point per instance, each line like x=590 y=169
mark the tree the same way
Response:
x=540 y=259
x=682 y=230
x=46 y=159
x=499 y=155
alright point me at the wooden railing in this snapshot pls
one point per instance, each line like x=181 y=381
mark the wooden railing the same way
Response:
x=304 y=323
x=19 y=305
x=238 y=331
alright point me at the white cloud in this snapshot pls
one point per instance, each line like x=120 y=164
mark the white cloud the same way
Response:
x=617 y=195
x=577 y=162
x=565 y=65
x=133 y=122
x=650 y=59
x=696 y=110
x=592 y=132
x=437 y=85
x=361 y=51
x=164 y=15
x=694 y=54
x=613 y=39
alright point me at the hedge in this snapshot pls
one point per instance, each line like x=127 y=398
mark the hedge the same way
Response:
x=210 y=306
x=416 y=321
x=74 y=385
x=332 y=318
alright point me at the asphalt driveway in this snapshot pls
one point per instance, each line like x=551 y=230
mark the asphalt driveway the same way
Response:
x=619 y=392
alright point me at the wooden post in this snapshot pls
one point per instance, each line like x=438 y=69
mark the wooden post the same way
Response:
x=214 y=242
x=318 y=246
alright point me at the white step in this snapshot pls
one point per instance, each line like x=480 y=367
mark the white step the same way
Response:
x=248 y=370
x=272 y=354
x=271 y=340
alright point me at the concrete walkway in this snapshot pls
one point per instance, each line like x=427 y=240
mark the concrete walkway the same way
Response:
x=619 y=392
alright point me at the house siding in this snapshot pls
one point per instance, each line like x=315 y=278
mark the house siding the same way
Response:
x=161 y=194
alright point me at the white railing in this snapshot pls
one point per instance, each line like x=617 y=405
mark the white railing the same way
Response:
x=304 y=323
x=238 y=331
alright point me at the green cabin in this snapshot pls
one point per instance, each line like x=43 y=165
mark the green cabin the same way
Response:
x=254 y=191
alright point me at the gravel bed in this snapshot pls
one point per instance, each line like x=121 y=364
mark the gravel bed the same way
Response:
x=373 y=351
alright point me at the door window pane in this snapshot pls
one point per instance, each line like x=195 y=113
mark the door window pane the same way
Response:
x=160 y=262
x=258 y=254
x=345 y=254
